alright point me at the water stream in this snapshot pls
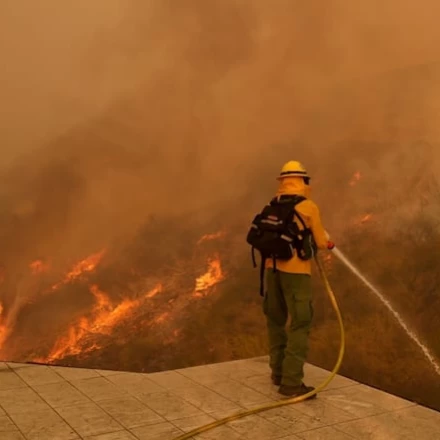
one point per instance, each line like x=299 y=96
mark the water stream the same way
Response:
x=429 y=356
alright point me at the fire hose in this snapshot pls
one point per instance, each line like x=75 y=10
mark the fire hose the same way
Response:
x=297 y=399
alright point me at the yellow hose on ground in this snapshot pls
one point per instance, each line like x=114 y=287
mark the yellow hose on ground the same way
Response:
x=297 y=399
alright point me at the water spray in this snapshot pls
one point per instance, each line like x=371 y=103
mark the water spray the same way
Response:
x=429 y=356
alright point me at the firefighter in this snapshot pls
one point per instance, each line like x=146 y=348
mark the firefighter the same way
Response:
x=289 y=291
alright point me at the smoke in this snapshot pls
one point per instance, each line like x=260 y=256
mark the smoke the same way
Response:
x=114 y=112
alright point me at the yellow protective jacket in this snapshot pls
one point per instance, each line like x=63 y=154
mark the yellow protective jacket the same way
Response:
x=309 y=212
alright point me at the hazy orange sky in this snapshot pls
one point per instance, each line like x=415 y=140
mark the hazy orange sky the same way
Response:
x=64 y=61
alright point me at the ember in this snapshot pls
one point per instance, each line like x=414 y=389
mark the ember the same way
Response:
x=366 y=218
x=161 y=318
x=38 y=267
x=355 y=179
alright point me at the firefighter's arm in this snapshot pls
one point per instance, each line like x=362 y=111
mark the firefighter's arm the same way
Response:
x=319 y=234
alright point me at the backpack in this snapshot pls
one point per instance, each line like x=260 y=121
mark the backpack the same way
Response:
x=276 y=235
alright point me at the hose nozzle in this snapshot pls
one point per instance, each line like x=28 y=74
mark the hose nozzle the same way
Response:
x=330 y=244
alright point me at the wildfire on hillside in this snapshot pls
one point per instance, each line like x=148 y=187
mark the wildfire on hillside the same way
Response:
x=113 y=313
x=110 y=315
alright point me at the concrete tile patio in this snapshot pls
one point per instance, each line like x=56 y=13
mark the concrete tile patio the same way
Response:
x=57 y=403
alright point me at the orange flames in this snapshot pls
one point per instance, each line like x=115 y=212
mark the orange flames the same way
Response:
x=355 y=179
x=3 y=329
x=152 y=293
x=210 y=237
x=87 y=265
x=38 y=267
x=161 y=318
x=104 y=317
x=365 y=219
x=85 y=332
x=212 y=277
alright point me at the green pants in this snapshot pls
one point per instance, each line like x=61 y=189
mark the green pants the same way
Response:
x=288 y=294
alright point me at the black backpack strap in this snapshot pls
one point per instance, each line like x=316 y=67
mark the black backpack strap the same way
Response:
x=254 y=262
x=295 y=201
x=262 y=269
x=295 y=213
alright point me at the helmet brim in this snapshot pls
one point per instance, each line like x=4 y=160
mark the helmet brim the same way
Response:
x=303 y=176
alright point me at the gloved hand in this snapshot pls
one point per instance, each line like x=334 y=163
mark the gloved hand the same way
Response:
x=330 y=245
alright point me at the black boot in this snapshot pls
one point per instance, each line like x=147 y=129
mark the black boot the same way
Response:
x=296 y=391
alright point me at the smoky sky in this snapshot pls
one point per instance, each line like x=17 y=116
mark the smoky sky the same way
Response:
x=113 y=111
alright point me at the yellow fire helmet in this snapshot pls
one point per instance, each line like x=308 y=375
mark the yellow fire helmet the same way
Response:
x=293 y=169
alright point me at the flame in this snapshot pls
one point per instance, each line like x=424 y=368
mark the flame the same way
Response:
x=363 y=220
x=38 y=267
x=152 y=293
x=89 y=264
x=366 y=218
x=210 y=237
x=212 y=277
x=161 y=318
x=3 y=328
x=104 y=317
x=355 y=179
